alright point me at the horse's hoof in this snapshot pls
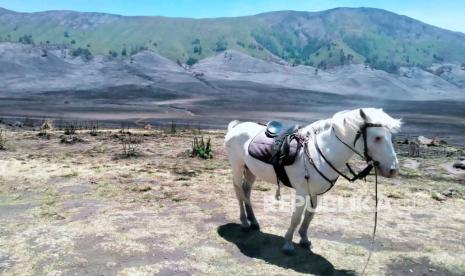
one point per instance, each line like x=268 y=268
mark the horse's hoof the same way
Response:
x=255 y=227
x=245 y=227
x=288 y=249
x=306 y=245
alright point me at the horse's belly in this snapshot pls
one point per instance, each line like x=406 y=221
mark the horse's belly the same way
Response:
x=260 y=169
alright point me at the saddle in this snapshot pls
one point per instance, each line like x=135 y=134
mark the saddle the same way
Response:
x=278 y=146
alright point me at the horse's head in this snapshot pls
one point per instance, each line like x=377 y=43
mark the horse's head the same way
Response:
x=371 y=130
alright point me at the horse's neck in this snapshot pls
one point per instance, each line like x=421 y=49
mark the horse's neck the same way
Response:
x=335 y=152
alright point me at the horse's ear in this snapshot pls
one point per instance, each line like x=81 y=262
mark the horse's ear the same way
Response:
x=363 y=115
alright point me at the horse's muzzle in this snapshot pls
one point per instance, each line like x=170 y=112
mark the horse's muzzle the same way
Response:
x=388 y=173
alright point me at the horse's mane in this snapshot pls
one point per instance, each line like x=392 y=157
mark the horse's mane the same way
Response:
x=351 y=120
x=321 y=125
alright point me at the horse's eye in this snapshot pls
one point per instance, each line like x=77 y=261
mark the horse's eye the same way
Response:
x=378 y=139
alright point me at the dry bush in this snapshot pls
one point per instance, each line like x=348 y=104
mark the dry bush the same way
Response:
x=173 y=127
x=45 y=127
x=3 y=140
x=70 y=129
x=28 y=122
x=130 y=144
x=94 y=128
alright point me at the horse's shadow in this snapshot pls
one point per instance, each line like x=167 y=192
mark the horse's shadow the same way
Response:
x=267 y=247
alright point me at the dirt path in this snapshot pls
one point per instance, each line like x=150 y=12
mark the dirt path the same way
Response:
x=84 y=209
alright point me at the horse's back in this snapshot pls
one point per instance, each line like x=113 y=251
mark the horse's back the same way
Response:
x=239 y=136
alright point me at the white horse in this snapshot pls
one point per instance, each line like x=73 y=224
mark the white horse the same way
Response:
x=366 y=132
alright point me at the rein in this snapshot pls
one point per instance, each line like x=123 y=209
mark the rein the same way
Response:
x=355 y=176
x=372 y=245
x=371 y=164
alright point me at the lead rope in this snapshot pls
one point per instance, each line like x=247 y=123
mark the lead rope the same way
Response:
x=278 y=191
x=376 y=223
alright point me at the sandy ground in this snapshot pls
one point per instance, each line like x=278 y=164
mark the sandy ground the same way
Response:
x=84 y=209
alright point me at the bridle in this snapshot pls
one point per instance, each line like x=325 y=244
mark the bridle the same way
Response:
x=371 y=163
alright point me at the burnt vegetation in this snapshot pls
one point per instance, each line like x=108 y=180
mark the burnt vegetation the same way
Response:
x=3 y=139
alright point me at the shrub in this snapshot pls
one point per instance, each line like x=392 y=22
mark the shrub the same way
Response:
x=252 y=46
x=221 y=45
x=26 y=39
x=191 y=61
x=112 y=54
x=202 y=149
x=438 y=58
x=82 y=52
x=198 y=50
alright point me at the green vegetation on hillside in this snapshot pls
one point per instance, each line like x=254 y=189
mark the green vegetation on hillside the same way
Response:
x=377 y=38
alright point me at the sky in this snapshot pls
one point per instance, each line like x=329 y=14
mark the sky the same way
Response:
x=448 y=14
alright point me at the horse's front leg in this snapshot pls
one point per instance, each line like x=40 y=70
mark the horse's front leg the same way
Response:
x=309 y=214
x=288 y=247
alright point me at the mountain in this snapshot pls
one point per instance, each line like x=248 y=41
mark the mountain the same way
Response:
x=325 y=39
x=437 y=82
x=27 y=70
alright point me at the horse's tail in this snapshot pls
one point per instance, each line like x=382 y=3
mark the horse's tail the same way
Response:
x=232 y=124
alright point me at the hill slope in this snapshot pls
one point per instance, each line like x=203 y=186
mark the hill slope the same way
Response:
x=339 y=36
x=25 y=69
x=354 y=79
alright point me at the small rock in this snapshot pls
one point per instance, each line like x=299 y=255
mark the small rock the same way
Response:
x=16 y=124
x=70 y=139
x=450 y=193
x=110 y=264
x=142 y=188
x=438 y=196
x=59 y=217
x=424 y=141
x=459 y=165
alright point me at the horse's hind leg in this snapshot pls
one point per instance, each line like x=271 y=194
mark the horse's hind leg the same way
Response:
x=249 y=179
x=238 y=176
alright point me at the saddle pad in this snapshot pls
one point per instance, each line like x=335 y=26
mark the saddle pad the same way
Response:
x=261 y=148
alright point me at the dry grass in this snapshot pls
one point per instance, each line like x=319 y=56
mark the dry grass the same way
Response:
x=75 y=208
